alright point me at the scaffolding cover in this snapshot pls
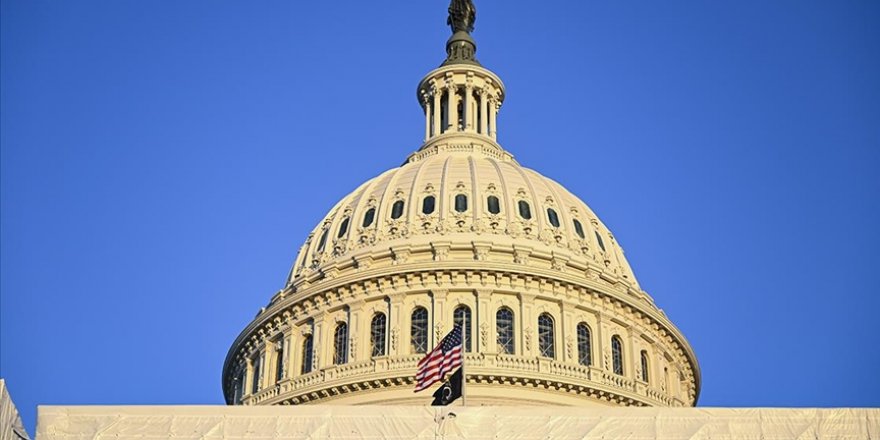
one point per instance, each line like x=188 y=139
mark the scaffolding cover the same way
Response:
x=417 y=422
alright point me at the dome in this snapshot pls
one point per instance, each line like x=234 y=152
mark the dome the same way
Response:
x=461 y=236
x=462 y=199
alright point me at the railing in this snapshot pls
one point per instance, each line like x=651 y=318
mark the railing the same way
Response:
x=475 y=363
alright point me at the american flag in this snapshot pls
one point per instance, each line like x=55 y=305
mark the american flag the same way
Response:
x=444 y=358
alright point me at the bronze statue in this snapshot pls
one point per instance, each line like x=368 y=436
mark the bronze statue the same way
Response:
x=462 y=15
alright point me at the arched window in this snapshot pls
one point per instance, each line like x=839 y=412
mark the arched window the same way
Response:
x=323 y=241
x=493 y=204
x=585 y=344
x=419 y=330
x=460 y=203
x=578 y=228
x=545 y=336
x=255 y=378
x=279 y=360
x=462 y=316
x=428 y=205
x=504 y=330
x=525 y=211
x=378 y=330
x=343 y=228
x=617 y=355
x=340 y=344
x=553 y=217
x=307 y=355
x=601 y=243
x=397 y=209
x=644 y=366
x=368 y=217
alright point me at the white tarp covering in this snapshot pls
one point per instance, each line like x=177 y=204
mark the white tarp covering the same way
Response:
x=11 y=427
x=418 y=422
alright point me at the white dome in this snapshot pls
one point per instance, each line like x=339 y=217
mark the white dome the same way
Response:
x=363 y=222
x=462 y=236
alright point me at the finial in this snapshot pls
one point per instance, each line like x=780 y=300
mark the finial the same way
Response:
x=462 y=15
x=461 y=48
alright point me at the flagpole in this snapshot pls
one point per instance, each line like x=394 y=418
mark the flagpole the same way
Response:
x=463 y=377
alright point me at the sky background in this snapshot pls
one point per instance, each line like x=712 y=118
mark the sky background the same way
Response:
x=163 y=161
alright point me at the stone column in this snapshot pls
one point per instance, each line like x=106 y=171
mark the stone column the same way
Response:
x=440 y=324
x=528 y=326
x=494 y=105
x=484 y=112
x=396 y=323
x=568 y=333
x=484 y=319
x=437 y=93
x=320 y=347
x=467 y=106
x=247 y=386
x=426 y=100
x=452 y=103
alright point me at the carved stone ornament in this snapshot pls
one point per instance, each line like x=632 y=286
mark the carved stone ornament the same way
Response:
x=484 y=334
x=395 y=336
x=527 y=338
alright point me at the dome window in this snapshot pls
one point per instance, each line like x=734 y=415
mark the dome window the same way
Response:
x=462 y=316
x=428 y=205
x=397 y=209
x=340 y=344
x=525 y=211
x=369 y=217
x=419 y=330
x=617 y=355
x=601 y=243
x=460 y=203
x=546 y=335
x=323 y=241
x=494 y=204
x=553 y=217
x=578 y=228
x=644 y=360
x=504 y=330
x=307 y=355
x=343 y=228
x=378 y=330
x=585 y=344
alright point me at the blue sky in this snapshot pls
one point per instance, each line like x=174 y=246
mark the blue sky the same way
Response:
x=163 y=161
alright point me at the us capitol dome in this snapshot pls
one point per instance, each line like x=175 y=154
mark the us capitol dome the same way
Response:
x=462 y=234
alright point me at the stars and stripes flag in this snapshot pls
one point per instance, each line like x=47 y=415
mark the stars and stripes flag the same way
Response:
x=444 y=358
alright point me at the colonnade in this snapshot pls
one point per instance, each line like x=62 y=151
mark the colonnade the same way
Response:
x=454 y=107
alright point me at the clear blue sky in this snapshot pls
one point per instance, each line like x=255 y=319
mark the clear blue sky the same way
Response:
x=162 y=161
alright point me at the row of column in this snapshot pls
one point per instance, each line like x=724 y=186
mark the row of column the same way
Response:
x=286 y=353
x=478 y=105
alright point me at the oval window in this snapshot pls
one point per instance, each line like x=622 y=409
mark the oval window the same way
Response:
x=369 y=216
x=494 y=204
x=460 y=203
x=525 y=211
x=323 y=241
x=343 y=228
x=397 y=209
x=553 y=217
x=578 y=228
x=428 y=205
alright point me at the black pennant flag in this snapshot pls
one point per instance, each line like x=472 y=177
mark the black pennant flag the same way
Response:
x=450 y=390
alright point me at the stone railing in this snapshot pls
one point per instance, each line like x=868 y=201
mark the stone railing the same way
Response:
x=476 y=364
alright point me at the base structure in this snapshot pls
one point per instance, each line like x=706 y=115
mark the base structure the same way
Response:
x=471 y=422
